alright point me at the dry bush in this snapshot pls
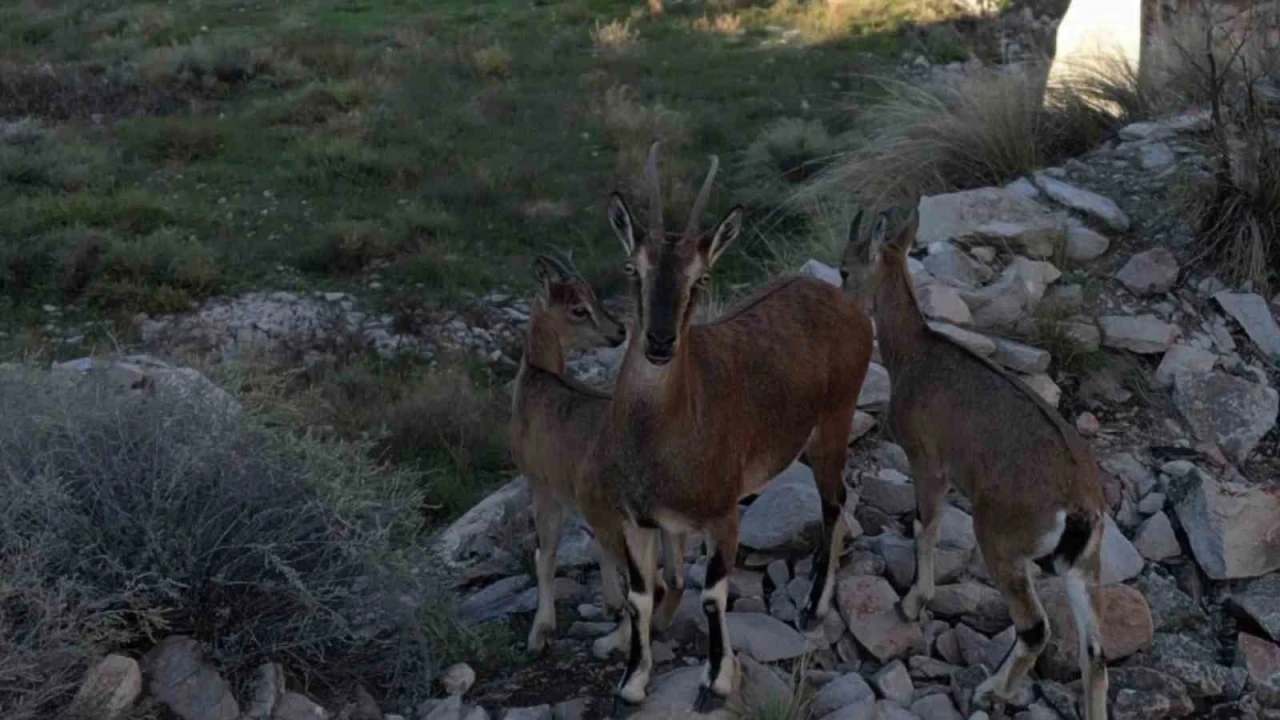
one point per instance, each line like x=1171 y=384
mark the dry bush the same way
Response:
x=631 y=126
x=969 y=132
x=615 y=36
x=727 y=24
x=786 y=153
x=130 y=518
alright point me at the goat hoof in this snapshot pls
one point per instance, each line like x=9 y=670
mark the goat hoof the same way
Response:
x=623 y=708
x=708 y=701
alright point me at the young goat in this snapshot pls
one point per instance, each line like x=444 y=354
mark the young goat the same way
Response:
x=553 y=422
x=1032 y=480
x=704 y=415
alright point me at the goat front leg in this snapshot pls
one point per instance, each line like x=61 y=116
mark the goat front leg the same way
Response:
x=612 y=546
x=642 y=557
x=548 y=517
x=931 y=496
x=720 y=673
x=673 y=576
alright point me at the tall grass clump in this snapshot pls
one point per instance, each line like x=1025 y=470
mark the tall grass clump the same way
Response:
x=130 y=518
x=973 y=131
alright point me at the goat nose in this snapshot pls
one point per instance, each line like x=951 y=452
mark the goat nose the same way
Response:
x=659 y=341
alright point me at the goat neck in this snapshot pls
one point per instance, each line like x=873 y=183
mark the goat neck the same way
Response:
x=900 y=326
x=542 y=343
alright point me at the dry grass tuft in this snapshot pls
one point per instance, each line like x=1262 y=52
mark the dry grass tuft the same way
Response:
x=727 y=24
x=613 y=37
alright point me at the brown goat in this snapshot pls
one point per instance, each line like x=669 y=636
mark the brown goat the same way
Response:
x=554 y=420
x=704 y=415
x=1032 y=480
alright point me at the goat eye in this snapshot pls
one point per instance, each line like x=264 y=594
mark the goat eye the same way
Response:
x=844 y=274
x=579 y=312
x=704 y=280
x=630 y=268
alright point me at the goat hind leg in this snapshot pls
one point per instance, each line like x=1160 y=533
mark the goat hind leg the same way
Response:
x=1029 y=619
x=673 y=576
x=931 y=496
x=612 y=547
x=1082 y=583
x=548 y=515
x=828 y=450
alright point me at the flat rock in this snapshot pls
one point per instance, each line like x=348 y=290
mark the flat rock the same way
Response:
x=991 y=216
x=1251 y=311
x=894 y=682
x=1089 y=203
x=109 y=690
x=1191 y=662
x=1189 y=122
x=1171 y=609
x=1124 y=621
x=941 y=302
x=1085 y=244
x=846 y=691
x=1231 y=412
x=1144 y=334
x=890 y=491
x=465 y=542
x=1261 y=657
x=869 y=607
x=975 y=342
x=953 y=266
x=1152 y=272
x=822 y=271
x=1044 y=386
x=1156 y=156
x=1256 y=600
x=1131 y=470
x=570 y=709
x=1183 y=361
x=936 y=707
x=1021 y=358
x=1145 y=694
x=497 y=600
x=785 y=514
x=762 y=688
x=1120 y=559
x=1156 y=540
x=672 y=694
x=178 y=677
x=977 y=604
x=296 y=706
x=875 y=388
x=764 y=638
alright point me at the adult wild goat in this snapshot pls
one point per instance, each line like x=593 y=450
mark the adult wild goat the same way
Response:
x=554 y=420
x=1032 y=480
x=704 y=415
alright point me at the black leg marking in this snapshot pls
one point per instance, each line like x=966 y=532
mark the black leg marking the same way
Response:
x=1034 y=637
x=637 y=586
x=716 y=573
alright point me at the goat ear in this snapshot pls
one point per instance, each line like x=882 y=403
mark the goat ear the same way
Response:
x=546 y=274
x=879 y=233
x=713 y=245
x=623 y=222
x=905 y=238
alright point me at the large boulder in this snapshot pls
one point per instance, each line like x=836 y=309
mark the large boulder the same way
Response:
x=991 y=215
x=785 y=514
x=109 y=689
x=143 y=374
x=1233 y=528
x=470 y=539
x=1183 y=361
x=869 y=607
x=1124 y=622
x=1145 y=334
x=1251 y=311
x=1257 y=601
x=1231 y=412
x=178 y=677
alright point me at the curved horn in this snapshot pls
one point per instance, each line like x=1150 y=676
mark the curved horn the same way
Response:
x=562 y=263
x=704 y=195
x=655 y=192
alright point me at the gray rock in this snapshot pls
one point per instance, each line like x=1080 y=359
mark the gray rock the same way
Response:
x=875 y=387
x=1155 y=539
x=1188 y=122
x=266 y=687
x=178 y=677
x=1171 y=609
x=869 y=607
x=778 y=573
x=998 y=647
x=999 y=309
x=975 y=603
x=1132 y=471
x=1191 y=662
x=536 y=712
x=784 y=514
x=762 y=688
x=746 y=583
x=1086 y=335
x=750 y=605
x=991 y=216
x=109 y=690
x=1228 y=411
x=1149 y=273
x=1183 y=360
x=899 y=559
x=894 y=683
x=1120 y=559
x=498 y=600
x=1084 y=244
x=1044 y=386
x=948 y=647
x=458 y=678
x=941 y=302
x=798 y=590
x=296 y=706
x=890 y=491
x=763 y=637
x=1146 y=694
x=782 y=607
x=1145 y=334
x=957 y=529
x=925 y=668
x=975 y=342
x=846 y=691
x=1151 y=504
x=1089 y=203
x=953 y=266
x=671 y=695
x=891 y=455
x=1021 y=358
x=1156 y=156
x=825 y=273
x=885 y=710
x=570 y=710
x=1251 y=311
x=1023 y=187
x=936 y=707
x=456 y=547
x=1257 y=601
